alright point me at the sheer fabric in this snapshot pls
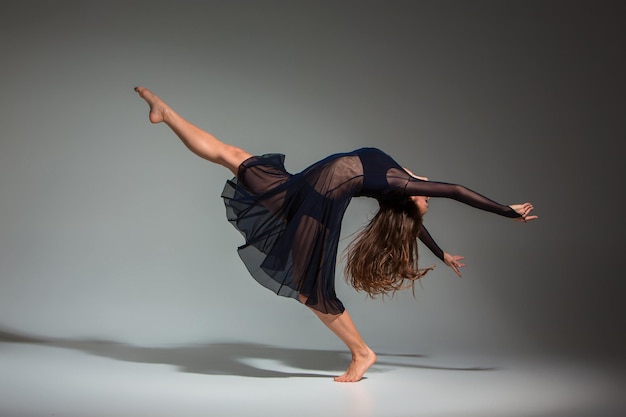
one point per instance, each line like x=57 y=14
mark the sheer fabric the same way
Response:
x=291 y=223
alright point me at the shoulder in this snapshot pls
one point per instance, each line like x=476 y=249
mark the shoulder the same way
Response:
x=370 y=151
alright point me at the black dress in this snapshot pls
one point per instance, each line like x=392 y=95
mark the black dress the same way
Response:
x=291 y=222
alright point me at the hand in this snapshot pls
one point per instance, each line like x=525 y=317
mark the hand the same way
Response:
x=523 y=210
x=453 y=261
x=416 y=176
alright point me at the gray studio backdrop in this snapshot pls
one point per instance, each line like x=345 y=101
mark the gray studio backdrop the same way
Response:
x=110 y=229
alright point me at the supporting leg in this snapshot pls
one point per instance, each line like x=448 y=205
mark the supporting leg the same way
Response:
x=198 y=141
x=362 y=356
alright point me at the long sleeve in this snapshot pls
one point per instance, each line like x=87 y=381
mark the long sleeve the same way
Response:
x=458 y=193
x=430 y=243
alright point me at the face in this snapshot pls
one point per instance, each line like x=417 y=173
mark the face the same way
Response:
x=421 y=202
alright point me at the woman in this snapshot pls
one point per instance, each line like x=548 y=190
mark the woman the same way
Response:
x=291 y=223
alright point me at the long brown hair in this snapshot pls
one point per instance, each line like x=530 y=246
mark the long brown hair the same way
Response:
x=383 y=256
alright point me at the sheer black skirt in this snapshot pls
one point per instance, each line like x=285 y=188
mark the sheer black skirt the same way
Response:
x=291 y=223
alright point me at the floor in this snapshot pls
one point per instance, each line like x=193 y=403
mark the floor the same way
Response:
x=90 y=378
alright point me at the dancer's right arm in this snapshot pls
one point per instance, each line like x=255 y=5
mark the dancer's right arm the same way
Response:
x=467 y=196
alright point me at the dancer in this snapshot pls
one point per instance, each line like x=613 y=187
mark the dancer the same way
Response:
x=291 y=223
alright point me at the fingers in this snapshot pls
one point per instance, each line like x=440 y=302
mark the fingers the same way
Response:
x=455 y=264
x=456 y=269
x=524 y=211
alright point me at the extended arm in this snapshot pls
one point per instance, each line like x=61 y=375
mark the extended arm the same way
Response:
x=460 y=193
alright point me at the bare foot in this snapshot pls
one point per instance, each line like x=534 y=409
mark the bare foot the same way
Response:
x=158 y=108
x=359 y=365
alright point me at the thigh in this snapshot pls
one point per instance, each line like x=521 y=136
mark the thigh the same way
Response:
x=231 y=157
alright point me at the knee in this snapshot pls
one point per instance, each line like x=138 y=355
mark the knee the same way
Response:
x=231 y=157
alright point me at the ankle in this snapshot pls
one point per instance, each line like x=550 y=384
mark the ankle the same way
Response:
x=362 y=352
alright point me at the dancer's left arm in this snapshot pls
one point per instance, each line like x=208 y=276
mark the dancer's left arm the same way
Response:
x=453 y=261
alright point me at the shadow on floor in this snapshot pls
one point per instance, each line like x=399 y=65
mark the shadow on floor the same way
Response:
x=229 y=358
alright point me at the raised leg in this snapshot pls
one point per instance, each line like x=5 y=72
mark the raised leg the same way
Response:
x=362 y=356
x=198 y=141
